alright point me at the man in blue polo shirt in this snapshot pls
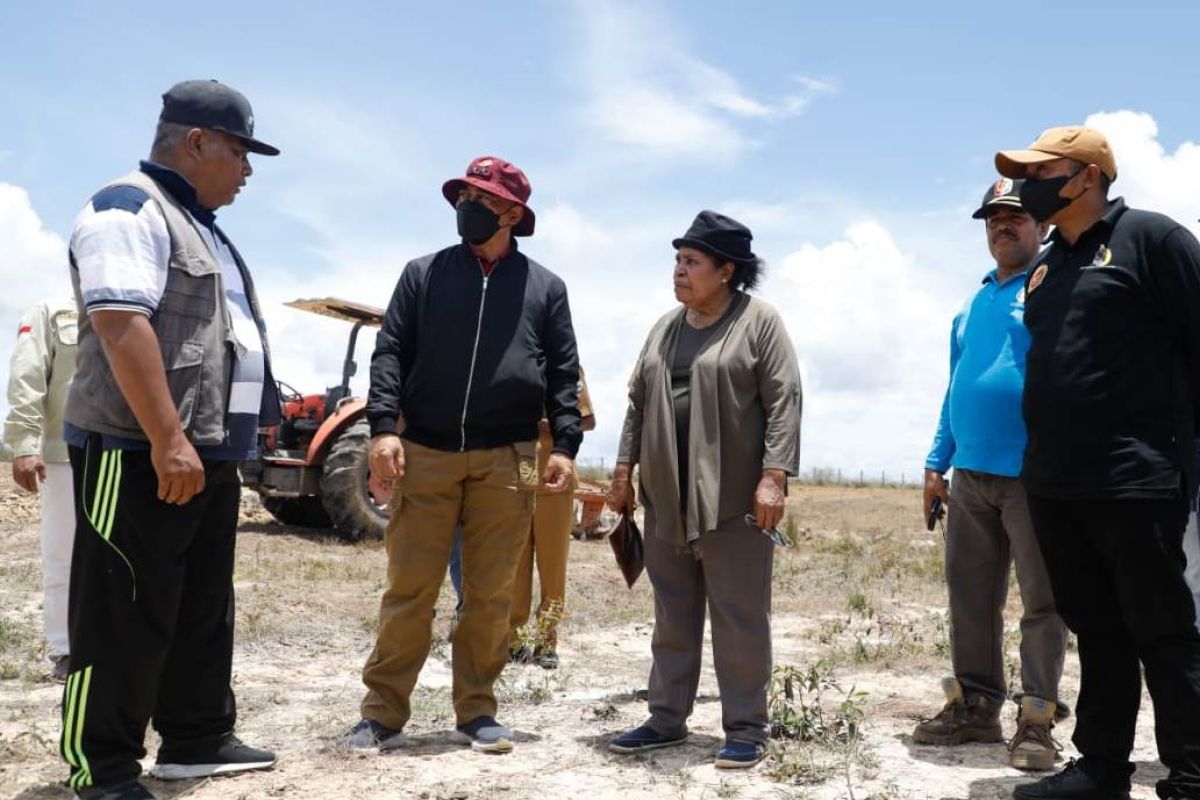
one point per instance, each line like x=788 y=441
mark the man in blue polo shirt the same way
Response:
x=982 y=435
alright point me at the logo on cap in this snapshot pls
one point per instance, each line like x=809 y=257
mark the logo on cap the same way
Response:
x=482 y=169
x=1003 y=186
x=1103 y=257
x=1038 y=276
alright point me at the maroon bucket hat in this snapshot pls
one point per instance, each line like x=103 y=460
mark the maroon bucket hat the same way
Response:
x=499 y=177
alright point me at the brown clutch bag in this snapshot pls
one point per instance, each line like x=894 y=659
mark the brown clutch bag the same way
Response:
x=626 y=541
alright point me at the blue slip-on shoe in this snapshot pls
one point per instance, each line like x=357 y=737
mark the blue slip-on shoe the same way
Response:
x=485 y=735
x=739 y=755
x=367 y=735
x=644 y=738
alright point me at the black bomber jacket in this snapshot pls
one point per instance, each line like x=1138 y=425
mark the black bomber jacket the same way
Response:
x=473 y=361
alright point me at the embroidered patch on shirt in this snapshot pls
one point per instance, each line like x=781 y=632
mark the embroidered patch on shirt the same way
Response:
x=1038 y=276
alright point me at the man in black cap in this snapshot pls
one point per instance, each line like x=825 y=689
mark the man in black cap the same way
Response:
x=981 y=434
x=172 y=384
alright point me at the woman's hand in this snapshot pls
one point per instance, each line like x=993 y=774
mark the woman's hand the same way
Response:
x=620 y=492
x=768 y=499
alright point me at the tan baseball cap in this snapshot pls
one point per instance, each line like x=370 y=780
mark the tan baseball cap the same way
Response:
x=1085 y=145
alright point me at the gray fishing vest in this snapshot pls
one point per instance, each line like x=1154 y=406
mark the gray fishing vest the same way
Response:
x=195 y=335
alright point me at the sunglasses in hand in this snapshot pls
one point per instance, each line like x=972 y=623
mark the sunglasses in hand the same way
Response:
x=774 y=534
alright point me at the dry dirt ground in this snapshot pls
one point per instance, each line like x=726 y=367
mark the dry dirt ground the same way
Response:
x=860 y=595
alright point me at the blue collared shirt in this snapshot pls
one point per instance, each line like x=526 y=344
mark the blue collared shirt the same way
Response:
x=981 y=427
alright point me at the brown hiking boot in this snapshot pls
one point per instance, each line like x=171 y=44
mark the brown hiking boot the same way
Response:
x=961 y=720
x=1033 y=748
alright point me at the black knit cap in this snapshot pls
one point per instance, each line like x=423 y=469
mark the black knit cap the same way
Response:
x=719 y=236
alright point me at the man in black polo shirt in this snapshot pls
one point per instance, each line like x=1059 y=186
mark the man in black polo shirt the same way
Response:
x=1113 y=312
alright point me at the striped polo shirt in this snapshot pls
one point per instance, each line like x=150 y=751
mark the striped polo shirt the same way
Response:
x=121 y=248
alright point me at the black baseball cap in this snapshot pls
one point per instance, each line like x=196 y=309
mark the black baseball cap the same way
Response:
x=1004 y=192
x=213 y=105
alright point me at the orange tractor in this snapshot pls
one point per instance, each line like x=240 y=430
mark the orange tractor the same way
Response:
x=312 y=468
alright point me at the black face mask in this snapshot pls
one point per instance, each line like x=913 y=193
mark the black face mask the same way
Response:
x=476 y=222
x=1041 y=198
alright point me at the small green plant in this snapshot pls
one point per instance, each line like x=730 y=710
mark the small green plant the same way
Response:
x=537 y=635
x=860 y=604
x=797 y=702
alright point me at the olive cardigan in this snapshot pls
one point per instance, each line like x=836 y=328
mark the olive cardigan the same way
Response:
x=745 y=417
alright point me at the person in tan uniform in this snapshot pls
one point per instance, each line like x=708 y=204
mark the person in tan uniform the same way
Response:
x=40 y=372
x=548 y=545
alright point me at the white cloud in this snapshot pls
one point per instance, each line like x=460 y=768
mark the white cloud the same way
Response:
x=648 y=91
x=33 y=260
x=871 y=335
x=1149 y=176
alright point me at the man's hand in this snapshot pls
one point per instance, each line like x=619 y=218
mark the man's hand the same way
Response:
x=935 y=486
x=386 y=458
x=768 y=499
x=179 y=469
x=621 y=497
x=28 y=472
x=559 y=472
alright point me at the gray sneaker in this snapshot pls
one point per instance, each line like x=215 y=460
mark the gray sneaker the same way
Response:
x=371 y=736
x=485 y=735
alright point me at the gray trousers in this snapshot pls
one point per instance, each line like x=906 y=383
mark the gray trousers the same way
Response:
x=988 y=527
x=729 y=570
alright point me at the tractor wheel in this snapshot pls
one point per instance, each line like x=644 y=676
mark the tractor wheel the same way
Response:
x=357 y=505
x=305 y=512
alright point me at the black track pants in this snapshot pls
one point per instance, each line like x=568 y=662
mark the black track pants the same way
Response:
x=151 y=613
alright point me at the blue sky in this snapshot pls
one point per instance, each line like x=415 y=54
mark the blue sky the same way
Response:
x=854 y=138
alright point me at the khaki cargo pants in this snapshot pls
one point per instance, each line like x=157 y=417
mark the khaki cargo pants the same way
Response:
x=492 y=493
x=547 y=544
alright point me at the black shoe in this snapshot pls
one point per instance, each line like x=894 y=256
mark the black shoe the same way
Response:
x=61 y=668
x=230 y=755
x=547 y=659
x=124 y=791
x=1073 y=783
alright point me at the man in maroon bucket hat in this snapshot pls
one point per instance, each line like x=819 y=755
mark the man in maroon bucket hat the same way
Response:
x=476 y=342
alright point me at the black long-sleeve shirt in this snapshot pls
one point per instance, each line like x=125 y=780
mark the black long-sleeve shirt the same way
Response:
x=471 y=360
x=1110 y=398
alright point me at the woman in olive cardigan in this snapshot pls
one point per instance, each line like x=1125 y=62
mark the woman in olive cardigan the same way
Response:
x=714 y=424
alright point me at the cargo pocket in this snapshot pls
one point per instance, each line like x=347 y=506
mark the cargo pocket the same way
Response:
x=525 y=474
x=182 y=362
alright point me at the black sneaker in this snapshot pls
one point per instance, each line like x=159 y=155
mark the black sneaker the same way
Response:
x=1072 y=783
x=230 y=755
x=547 y=659
x=131 y=790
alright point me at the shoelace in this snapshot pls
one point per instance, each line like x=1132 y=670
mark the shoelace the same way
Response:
x=1027 y=731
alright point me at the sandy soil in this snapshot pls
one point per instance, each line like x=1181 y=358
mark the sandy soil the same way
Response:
x=861 y=591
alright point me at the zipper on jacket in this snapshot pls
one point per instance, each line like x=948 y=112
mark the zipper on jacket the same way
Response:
x=471 y=373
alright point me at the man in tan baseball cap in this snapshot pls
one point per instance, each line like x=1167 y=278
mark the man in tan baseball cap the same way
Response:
x=1109 y=467
x=1085 y=145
